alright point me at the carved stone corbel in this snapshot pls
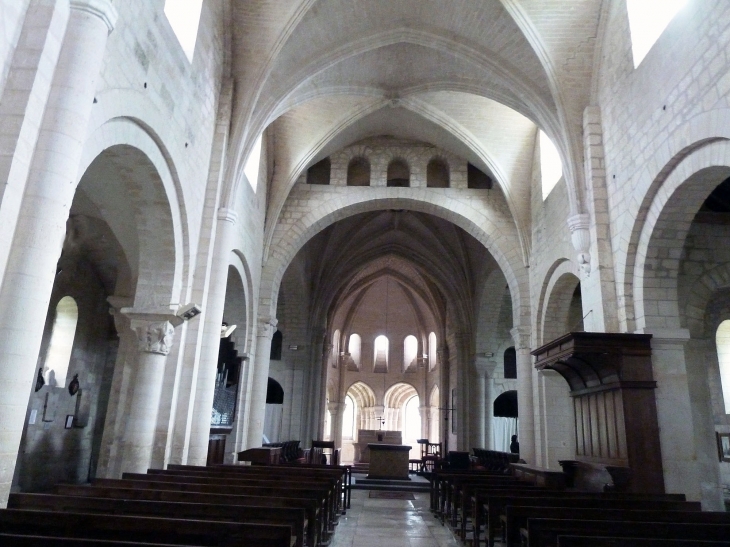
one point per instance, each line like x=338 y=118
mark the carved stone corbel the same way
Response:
x=580 y=236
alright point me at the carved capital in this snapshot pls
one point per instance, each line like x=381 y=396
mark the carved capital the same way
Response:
x=521 y=337
x=267 y=327
x=580 y=236
x=484 y=367
x=154 y=336
x=103 y=9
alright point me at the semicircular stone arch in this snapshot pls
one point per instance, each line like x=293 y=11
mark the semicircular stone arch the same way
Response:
x=659 y=249
x=672 y=163
x=557 y=292
x=492 y=228
x=694 y=311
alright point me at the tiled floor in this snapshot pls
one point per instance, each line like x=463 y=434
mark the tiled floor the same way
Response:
x=391 y=523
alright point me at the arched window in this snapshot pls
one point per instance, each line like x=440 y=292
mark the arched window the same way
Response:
x=354 y=348
x=505 y=405
x=551 y=166
x=647 y=21
x=722 y=339
x=398 y=174
x=412 y=419
x=253 y=162
x=62 y=341
x=335 y=356
x=477 y=179
x=184 y=18
x=319 y=173
x=437 y=174
x=276 y=343
x=348 y=419
x=358 y=172
x=410 y=352
x=510 y=363
x=432 y=351
x=380 y=354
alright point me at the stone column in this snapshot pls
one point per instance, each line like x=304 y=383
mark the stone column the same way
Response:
x=267 y=327
x=208 y=367
x=337 y=411
x=154 y=336
x=31 y=267
x=526 y=433
x=484 y=369
x=423 y=411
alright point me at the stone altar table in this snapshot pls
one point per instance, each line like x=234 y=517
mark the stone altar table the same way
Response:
x=373 y=436
x=388 y=461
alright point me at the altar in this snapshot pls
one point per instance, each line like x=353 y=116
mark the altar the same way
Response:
x=388 y=461
x=366 y=437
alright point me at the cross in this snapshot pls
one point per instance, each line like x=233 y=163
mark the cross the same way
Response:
x=381 y=420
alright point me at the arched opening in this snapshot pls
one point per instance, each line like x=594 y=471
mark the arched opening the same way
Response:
x=348 y=419
x=274 y=410
x=380 y=354
x=62 y=341
x=411 y=420
x=399 y=175
x=722 y=340
x=394 y=403
x=410 y=352
x=354 y=348
x=363 y=404
x=477 y=179
x=358 y=172
x=437 y=174
x=277 y=341
x=504 y=423
x=319 y=173
x=510 y=363
x=432 y=351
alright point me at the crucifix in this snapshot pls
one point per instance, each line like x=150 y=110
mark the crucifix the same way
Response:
x=381 y=421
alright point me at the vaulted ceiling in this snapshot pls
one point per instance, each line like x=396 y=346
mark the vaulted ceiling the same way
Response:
x=476 y=77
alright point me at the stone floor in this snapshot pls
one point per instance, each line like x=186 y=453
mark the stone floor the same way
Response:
x=391 y=523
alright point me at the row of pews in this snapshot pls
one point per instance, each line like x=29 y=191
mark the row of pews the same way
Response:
x=484 y=506
x=223 y=505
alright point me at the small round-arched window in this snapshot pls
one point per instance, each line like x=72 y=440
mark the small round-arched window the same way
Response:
x=63 y=333
x=380 y=354
x=437 y=174
x=358 y=172
x=398 y=174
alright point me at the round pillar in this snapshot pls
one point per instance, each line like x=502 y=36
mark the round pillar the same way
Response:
x=267 y=327
x=526 y=433
x=208 y=367
x=31 y=267
x=155 y=337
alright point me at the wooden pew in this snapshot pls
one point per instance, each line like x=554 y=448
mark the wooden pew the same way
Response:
x=287 y=516
x=497 y=501
x=326 y=485
x=516 y=516
x=545 y=532
x=343 y=472
x=331 y=483
x=284 y=490
x=14 y=540
x=588 y=541
x=440 y=481
x=310 y=506
x=144 y=529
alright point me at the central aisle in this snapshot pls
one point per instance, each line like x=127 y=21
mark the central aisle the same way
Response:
x=391 y=523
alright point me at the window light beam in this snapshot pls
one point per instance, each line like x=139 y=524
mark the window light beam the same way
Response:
x=184 y=18
x=647 y=21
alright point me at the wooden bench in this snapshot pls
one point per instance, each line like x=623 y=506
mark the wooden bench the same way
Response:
x=14 y=540
x=287 y=516
x=588 y=541
x=496 y=502
x=144 y=529
x=545 y=532
x=310 y=506
x=298 y=490
x=516 y=516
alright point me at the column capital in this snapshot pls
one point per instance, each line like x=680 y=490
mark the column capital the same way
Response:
x=521 y=337
x=103 y=9
x=484 y=366
x=154 y=336
x=227 y=215
x=267 y=326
